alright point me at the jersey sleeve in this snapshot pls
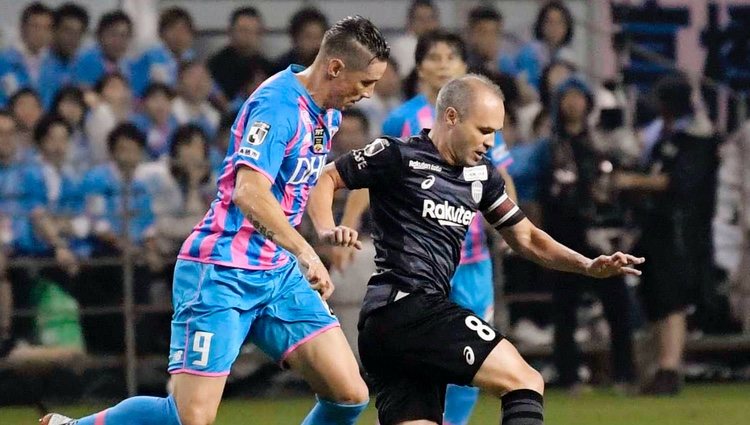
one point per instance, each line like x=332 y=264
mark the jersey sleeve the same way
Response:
x=378 y=163
x=496 y=206
x=265 y=130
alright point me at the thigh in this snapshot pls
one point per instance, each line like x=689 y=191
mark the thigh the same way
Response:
x=295 y=314
x=207 y=328
x=327 y=364
x=505 y=370
x=428 y=334
x=472 y=287
x=403 y=398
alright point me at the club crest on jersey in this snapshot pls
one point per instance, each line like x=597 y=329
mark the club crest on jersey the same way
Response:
x=318 y=134
x=258 y=132
x=476 y=191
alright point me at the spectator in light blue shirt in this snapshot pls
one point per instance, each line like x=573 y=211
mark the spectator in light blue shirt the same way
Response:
x=70 y=24
x=160 y=63
x=21 y=65
x=156 y=120
x=114 y=34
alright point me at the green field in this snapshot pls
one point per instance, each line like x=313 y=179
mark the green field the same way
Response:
x=721 y=404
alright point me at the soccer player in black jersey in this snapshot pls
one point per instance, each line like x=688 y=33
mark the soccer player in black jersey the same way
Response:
x=424 y=192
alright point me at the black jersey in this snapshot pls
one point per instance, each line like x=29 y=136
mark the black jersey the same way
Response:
x=421 y=208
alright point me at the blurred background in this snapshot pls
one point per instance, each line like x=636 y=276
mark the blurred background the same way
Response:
x=626 y=123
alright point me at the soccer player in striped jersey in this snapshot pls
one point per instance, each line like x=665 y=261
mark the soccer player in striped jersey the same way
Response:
x=237 y=273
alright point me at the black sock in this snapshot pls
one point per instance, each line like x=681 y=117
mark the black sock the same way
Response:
x=523 y=407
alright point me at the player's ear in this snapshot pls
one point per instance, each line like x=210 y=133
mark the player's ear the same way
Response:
x=451 y=115
x=335 y=67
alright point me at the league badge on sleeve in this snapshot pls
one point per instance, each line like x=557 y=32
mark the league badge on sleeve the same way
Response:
x=318 y=137
x=258 y=132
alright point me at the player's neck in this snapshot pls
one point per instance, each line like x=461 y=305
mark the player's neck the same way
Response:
x=442 y=147
x=313 y=80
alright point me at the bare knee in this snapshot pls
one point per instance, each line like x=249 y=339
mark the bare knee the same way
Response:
x=354 y=392
x=528 y=379
x=196 y=415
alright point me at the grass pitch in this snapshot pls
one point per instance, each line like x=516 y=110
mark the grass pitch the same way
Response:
x=697 y=405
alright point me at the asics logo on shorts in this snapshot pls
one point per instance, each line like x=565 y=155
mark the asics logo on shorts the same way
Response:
x=469 y=355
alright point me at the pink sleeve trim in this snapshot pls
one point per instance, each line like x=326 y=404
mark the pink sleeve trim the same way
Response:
x=254 y=167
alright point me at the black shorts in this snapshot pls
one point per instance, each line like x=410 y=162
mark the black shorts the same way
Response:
x=413 y=348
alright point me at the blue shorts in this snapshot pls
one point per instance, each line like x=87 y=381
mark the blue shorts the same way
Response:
x=216 y=308
x=472 y=287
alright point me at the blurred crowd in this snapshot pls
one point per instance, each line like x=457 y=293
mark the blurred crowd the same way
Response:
x=104 y=152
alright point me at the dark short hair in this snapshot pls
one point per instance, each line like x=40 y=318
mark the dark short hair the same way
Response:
x=304 y=16
x=71 y=10
x=554 y=4
x=69 y=92
x=484 y=13
x=417 y=4
x=174 y=15
x=184 y=135
x=35 y=8
x=248 y=11
x=21 y=93
x=342 y=37
x=112 y=18
x=429 y=40
x=125 y=130
x=158 y=88
x=99 y=86
x=7 y=114
x=46 y=123
x=357 y=114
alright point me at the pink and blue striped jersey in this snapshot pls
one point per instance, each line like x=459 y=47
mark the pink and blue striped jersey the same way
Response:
x=281 y=133
x=409 y=119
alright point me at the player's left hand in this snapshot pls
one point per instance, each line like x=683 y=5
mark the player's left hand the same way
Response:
x=342 y=236
x=616 y=264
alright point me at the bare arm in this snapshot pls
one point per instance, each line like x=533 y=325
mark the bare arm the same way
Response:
x=320 y=210
x=45 y=227
x=356 y=204
x=534 y=244
x=252 y=195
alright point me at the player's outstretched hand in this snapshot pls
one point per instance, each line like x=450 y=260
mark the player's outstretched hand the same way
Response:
x=317 y=274
x=616 y=264
x=342 y=236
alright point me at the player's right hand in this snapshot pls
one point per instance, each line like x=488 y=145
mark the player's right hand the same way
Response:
x=341 y=236
x=316 y=274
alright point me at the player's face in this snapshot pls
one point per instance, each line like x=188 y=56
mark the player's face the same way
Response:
x=441 y=64
x=55 y=144
x=352 y=85
x=474 y=134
